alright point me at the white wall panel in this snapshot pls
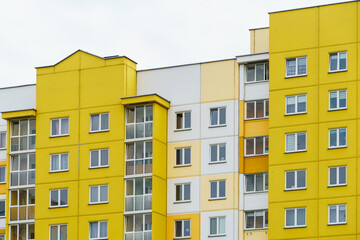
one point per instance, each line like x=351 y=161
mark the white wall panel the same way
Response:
x=180 y=85
x=232 y=116
x=188 y=207
x=232 y=160
x=231 y=224
x=254 y=91
x=2 y=155
x=187 y=135
x=254 y=201
x=18 y=98
x=241 y=191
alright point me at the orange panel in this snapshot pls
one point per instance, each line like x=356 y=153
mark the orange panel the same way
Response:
x=255 y=164
x=255 y=128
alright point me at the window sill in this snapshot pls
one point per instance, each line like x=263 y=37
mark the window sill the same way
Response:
x=22 y=151
x=295 y=227
x=254 y=82
x=255 y=192
x=217 y=162
x=331 y=148
x=257 y=155
x=184 y=165
x=2 y=182
x=217 y=126
x=57 y=136
x=217 y=235
x=250 y=119
x=99 y=131
x=294 y=189
x=138 y=139
x=182 y=237
x=59 y=207
x=337 y=109
x=107 y=166
x=255 y=229
x=138 y=175
x=183 y=130
x=3 y=148
x=214 y=199
x=67 y=170
x=295 y=76
x=99 y=203
x=337 y=71
x=334 y=224
x=300 y=151
x=179 y=202
x=292 y=114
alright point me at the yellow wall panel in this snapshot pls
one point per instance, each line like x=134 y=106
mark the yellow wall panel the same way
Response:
x=256 y=164
x=256 y=235
x=90 y=61
x=159 y=195
x=254 y=128
x=195 y=226
x=131 y=80
x=241 y=155
x=115 y=225
x=241 y=117
x=160 y=123
x=42 y=227
x=70 y=63
x=159 y=159
x=158 y=226
x=187 y=171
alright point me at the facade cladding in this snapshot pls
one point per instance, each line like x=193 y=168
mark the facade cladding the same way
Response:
x=191 y=151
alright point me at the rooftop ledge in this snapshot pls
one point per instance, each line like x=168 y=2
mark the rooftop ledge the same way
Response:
x=19 y=114
x=149 y=98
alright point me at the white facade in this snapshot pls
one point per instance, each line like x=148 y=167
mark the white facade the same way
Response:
x=231 y=225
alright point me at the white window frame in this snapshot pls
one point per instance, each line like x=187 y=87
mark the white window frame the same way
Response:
x=2 y=236
x=4 y=200
x=296 y=140
x=337 y=100
x=60 y=160
x=218 y=160
x=217 y=234
x=17 y=226
x=1 y=142
x=135 y=196
x=218 y=117
x=146 y=159
x=99 y=194
x=182 y=160
x=266 y=105
x=3 y=167
x=182 y=186
x=58 y=230
x=255 y=64
x=29 y=135
x=296 y=180
x=255 y=213
x=99 y=153
x=29 y=170
x=295 y=217
x=100 y=121
x=296 y=67
x=337 y=138
x=134 y=124
x=59 y=198
x=27 y=205
x=60 y=134
x=264 y=146
x=182 y=229
x=265 y=179
x=217 y=190
x=337 y=184
x=296 y=104
x=338 y=62
x=337 y=214
x=144 y=231
x=183 y=128
x=98 y=237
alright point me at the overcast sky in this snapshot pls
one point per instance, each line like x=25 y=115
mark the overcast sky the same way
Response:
x=153 y=33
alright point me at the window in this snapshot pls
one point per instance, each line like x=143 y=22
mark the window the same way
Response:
x=99 y=194
x=218 y=116
x=295 y=217
x=138 y=194
x=99 y=122
x=337 y=214
x=257 y=72
x=217 y=189
x=296 y=104
x=2 y=236
x=257 y=109
x=337 y=176
x=295 y=180
x=139 y=122
x=183 y=156
x=23 y=134
x=183 y=120
x=99 y=158
x=256 y=182
x=2 y=140
x=59 y=162
x=337 y=61
x=217 y=226
x=138 y=158
x=22 y=231
x=58 y=232
x=338 y=100
x=217 y=153
x=182 y=229
x=22 y=170
x=98 y=230
x=59 y=198
x=337 y=138
x=182 y=192
x=295 y=142
x=256 y=220
x=256 y=146
x=3 y=174
x=2 y=209
x=22 y=204
x=296 y=66
x=138 y=227
x=59 y=127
